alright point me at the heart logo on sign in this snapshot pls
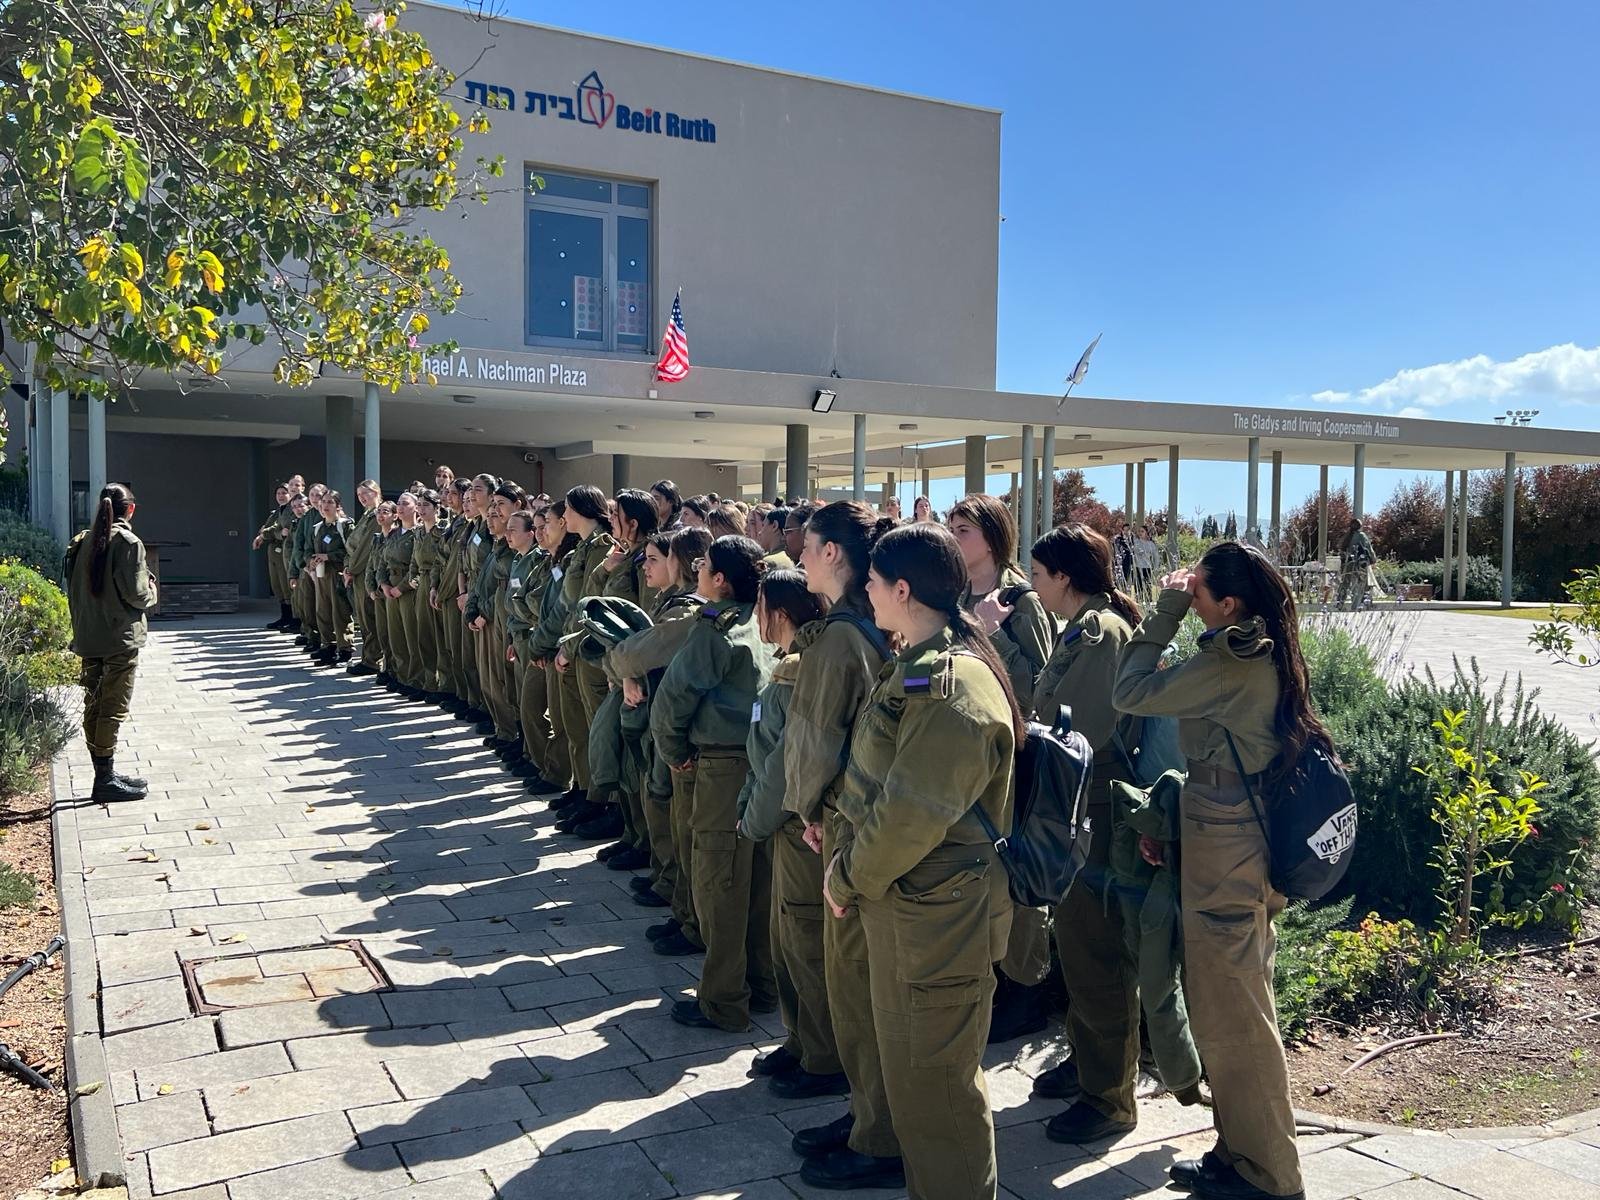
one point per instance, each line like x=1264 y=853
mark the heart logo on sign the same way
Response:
x=596 y=104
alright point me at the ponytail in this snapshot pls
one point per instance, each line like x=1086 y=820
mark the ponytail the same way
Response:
x=115 y=501
x=1083 y=555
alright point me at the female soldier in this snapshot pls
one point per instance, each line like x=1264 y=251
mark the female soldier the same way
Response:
x=725 y=520
x=839 y=662
x=543 y=642
x=479 y=544
x=1072 y=575
x=530 y=575
x=447 y=595
x=640 y=661
x=935 y=740
x=784 y=607
x=695 y=510
x=375 y=582
x=357 y=563
x=398 y=550
x=621 y=574
x=267 y=539
x=1000 y=597
x=486 y=617
x=329 y=552
x=109 y=591
x=669 y=505
x=922 y=511
x=701 y=714
x=580 y=693
x=1244 y=693
x=427 y=558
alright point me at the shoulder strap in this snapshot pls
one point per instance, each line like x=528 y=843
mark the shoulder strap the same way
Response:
x=1250 y=793
x=879 y=640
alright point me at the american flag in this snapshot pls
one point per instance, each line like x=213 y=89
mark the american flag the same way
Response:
x=673 y=365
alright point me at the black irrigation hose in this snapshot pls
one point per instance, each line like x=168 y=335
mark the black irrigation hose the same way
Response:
x=33 y=962
x=8 y=1057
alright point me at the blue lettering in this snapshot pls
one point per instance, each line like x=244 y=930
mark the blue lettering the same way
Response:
x=624 y=116
x=672 y=125
x=638 y=122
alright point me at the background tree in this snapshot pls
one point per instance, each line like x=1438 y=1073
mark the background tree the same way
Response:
x=176 y=178
x=1075 y=500
x=1410 y=525
x=1300 y=526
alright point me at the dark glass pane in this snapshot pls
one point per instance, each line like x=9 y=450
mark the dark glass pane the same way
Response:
x=566 y=270
x=633 y=196
x=574 y=188
x=633 y=282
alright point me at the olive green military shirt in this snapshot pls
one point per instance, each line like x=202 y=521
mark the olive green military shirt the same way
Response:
x=837 y=668
x=1083 y=670
x=779 y=560
x=427 y=556
x=1023 y=640
x=525 y=584
x=705 y=698
x=653 y=649
x=545 y=639
x=115 y=621
x=359 y=545
x=399 y=549
x=1230 y=685
x=934 y=740
x=761 y=811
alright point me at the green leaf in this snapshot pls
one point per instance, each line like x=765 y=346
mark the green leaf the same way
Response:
x=135 y=175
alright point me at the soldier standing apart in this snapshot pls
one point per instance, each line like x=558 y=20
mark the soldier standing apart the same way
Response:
x=839 y=663
x=1003 y=601
x=701 y=716
x=1248 y=684
x=936 y=739
x=109 y=591
x=267 y=538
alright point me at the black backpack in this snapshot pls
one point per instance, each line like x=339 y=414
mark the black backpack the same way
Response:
x=1312 y=837
x=878 y=638
x=1050 y=829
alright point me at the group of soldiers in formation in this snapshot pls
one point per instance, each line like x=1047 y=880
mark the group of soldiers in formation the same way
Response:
x=787 y=718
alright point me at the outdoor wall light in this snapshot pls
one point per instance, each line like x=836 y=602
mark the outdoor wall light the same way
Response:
x=1097 y=458
x=1082 y=437
x=465 y=399
x=823 y=401
x=907 y=426
x=704 y=414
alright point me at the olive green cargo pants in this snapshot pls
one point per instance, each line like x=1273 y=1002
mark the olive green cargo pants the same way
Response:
x=932 y=942
x=533 y=704
x=663 y=861
x=732 y=896
x=683 y=851
x=560 y=772
x=797 y=924
x=575 y=719
x=844 y=948
x=333 y=612
x=1102 y=979
x=403 y=628
x=107 y=692
x=490 y=646
x=1027 y=959
x=371 y=650
x=1229 y=945
x=428 y=633
x=277 y=573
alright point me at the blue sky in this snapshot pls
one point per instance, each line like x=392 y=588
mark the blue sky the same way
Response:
x=1257 y=202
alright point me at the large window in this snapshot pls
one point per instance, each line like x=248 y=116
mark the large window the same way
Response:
x=588 y=280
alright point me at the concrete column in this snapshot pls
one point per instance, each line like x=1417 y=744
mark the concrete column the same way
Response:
x=1449 y=534
x=1322 y=516
x=1138 y=520
x=621 y=469
x=1047 y=488
x=340 y=423
x=1027 y=510
x=97 y=449
x=1461 y=532
x=769 y=479
x=1252 y=487
x=60 y=468
x=1358 y=489
x=977 y=471
x=1127 y=487
x=1508 y=523
x=256 y=513
x=858 y=468
x=889 y=484
x=1277 y=502
x=1172 y=502
x=39 y=463
x=797 y=452
x=372 y=443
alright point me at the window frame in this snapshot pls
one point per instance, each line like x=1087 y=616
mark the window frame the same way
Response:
x=609 y=213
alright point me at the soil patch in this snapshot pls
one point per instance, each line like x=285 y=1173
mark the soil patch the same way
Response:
x=1534 y=1060
x=32 y=1014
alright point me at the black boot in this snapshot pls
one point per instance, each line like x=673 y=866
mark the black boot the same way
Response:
x=108 y=786
x=284 y=618
x=1019 y=1010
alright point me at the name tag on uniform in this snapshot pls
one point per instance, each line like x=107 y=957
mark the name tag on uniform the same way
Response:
x=755 y=712
x=556 y=572
x=327 y=539
x=514 y=585
x=477 y=539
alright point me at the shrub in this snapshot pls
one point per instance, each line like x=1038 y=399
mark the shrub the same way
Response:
x=1483 y=576
x=40 y=620
x=1391 y=870
x=33 y=727
x=1302 y=932
x=32 y=546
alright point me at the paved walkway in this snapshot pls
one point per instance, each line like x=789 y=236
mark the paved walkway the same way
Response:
x=524 y=1050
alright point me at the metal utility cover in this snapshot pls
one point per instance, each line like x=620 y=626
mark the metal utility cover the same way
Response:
x=252 y=980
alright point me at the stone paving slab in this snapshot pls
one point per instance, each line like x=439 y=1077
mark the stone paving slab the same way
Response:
x=524 y=1048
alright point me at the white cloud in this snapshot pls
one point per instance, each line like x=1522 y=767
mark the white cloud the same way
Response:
x=1566 y=373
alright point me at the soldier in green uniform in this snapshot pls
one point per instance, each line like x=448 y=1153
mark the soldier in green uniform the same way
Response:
x=1245 y=692
x=377 y=580
x=1001 y=598
x=328 y=553
x=478 y=546
x=525 y=586
x=398 y=549
x=427 y=557
x=482 y=613
x=523 y=575
x=639 y=662
x=769 y=530
x=109 y=591
x=935 y=740
x=784 y=607
x=292 y=563
x=701 y=714
x=544 y=642
x=839 y=662
x=267 y=540
x=587 y=516
x=358 y=561
x=453 y=665
x=302 y=579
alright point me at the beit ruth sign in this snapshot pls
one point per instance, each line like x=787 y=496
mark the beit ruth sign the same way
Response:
x=589 y=103
x=489 y=367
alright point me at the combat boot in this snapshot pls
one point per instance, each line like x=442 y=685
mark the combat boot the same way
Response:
x=109 y=787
